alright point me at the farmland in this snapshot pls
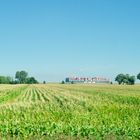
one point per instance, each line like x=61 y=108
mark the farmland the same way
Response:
x=70 y=111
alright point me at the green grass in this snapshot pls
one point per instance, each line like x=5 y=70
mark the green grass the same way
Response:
x=56 y=111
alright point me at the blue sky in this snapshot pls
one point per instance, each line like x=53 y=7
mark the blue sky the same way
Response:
x=53 y=39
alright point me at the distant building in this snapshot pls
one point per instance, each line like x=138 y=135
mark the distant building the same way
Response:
x=86 y=80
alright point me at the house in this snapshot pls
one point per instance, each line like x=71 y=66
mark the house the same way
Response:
x=87 y=80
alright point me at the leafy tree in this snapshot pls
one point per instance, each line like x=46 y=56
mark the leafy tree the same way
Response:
x=14 y=82
x=31 y=80
x=120 y=78
x=138 y=76
x=5 y=80
x=44 y=82
x=125 y=79
x=21 y=76
x=62 y=82
x=131 y=80
x=72 y=82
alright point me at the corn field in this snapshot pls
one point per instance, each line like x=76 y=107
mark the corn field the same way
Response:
x=56 y=111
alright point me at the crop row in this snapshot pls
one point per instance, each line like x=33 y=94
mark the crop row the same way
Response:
x=71 y=110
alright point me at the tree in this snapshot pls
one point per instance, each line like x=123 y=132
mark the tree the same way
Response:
x=31 y=80
x=125 y=79
x=138 y=76
x=72 y=82
x=5 y=80
x=131 y=80
x=14 y=82
x=62 y=82
x=111 y=83
x=21 y=76
x=120 y=78
x=44 y=82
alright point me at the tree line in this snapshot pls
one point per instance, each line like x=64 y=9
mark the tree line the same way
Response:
x=126 y=79
x=21 y=77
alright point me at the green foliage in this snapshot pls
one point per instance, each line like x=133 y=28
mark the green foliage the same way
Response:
x=72 y=82
x=120 y=78
x=21 y=76
x=31 y=80
x=125 y=79
x=62 y=82
x=5 y=80
x=138 y=76
x=69 y=111
x=131 y=80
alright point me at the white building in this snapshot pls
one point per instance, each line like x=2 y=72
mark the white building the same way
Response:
x=87 y=80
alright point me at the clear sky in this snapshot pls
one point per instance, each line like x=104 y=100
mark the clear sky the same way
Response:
x=53 y=39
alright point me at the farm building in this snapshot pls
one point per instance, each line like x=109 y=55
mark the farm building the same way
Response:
x=87 y=80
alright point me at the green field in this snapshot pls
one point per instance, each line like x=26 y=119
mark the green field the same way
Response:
x=57 y=111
